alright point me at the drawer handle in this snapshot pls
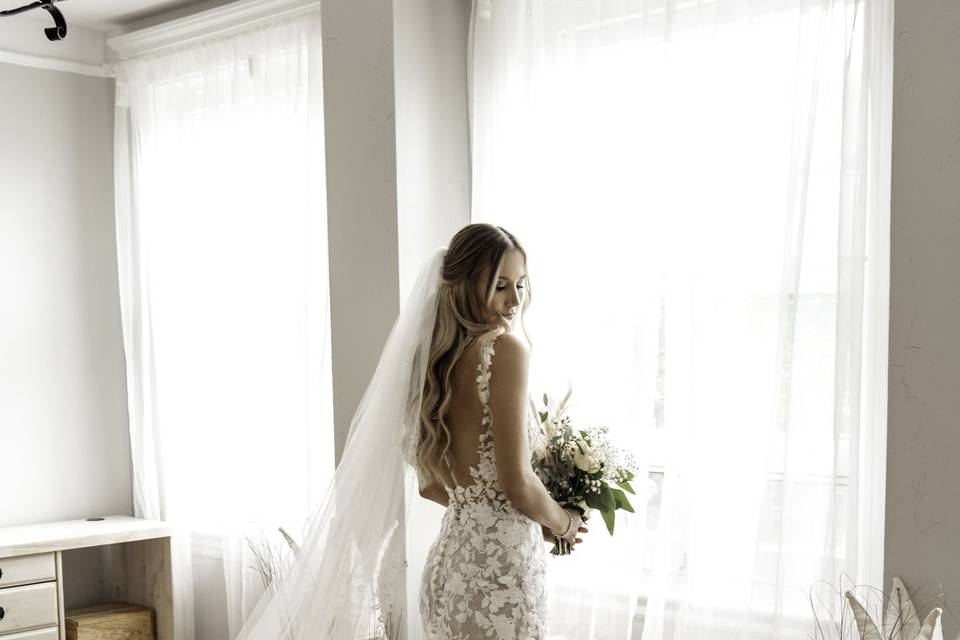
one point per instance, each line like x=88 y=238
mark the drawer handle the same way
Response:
x=2 y=613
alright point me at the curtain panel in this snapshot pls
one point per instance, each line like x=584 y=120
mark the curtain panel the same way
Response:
x=703 y=192
x=222 y=252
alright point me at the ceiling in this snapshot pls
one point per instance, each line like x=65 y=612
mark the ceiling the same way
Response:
x=110 y=15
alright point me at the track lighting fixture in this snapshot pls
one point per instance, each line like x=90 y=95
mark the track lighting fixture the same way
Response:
x=56 y=32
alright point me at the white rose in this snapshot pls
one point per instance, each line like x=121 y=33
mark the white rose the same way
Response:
x=585 y=460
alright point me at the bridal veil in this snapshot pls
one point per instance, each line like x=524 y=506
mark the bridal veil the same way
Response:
x=348 y=579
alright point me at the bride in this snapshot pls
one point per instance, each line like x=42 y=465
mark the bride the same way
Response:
x=445 y=414
x=486 y=569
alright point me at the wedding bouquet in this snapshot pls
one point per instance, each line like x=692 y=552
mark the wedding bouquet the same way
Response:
x=580 y=467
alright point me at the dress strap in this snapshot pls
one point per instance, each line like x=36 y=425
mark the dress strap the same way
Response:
x=483 y=375
x=485 y=473
x=486 y=342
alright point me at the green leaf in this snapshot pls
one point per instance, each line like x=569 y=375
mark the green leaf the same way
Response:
x=546 y=401
x=595 y=501
x=609 y=519
x=626 y=486
x=607 y=500
x=622 y=502
x=629 y=474
x=543 y=416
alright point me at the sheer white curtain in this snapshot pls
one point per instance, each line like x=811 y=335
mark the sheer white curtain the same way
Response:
x=222 y=246
x=702 y=188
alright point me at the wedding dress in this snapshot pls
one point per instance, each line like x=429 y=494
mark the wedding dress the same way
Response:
x=485 y=574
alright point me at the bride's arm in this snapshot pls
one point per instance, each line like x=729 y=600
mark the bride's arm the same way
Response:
x=508 y=404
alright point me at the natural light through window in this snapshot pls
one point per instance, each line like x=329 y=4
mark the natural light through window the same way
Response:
x=675 y=174
x=238 y=281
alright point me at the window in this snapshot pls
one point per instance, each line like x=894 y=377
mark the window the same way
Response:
x=681 y=177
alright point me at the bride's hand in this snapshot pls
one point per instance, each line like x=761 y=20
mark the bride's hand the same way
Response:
x=549 y=537
x=578 y=526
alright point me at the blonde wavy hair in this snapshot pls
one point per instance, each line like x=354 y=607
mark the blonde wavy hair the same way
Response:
x=462 y=314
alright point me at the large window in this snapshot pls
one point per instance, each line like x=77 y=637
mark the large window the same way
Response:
x=700 y=188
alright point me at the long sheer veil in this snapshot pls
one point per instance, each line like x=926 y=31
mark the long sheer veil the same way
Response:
x=347 y=582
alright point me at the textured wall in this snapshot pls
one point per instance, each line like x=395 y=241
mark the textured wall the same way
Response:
x=433 y=146
x=923 y=444
x=361 y=193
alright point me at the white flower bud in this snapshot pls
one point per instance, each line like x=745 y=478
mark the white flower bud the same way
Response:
x=586 y=461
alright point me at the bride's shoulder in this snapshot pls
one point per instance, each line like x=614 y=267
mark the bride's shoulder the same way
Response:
x=510 y=350
x=507 y=370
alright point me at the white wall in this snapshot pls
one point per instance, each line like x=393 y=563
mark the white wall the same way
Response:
x=361 y=193
x=923 y=444
x=433 y=152
x=64 y=446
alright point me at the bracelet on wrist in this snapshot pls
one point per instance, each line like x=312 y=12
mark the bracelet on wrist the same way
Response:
x=569 y=525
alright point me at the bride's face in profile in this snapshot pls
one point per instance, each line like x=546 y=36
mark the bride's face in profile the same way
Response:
x=509 y=289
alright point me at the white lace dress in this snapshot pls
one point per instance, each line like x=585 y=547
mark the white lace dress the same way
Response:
x=484 y=574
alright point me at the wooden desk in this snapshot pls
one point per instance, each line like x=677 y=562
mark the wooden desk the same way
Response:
x=31 y=572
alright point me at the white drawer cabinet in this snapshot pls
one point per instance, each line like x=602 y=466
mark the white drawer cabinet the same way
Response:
x=31 y=572
x=41 y=567
x=28 y=607
x=29 y=597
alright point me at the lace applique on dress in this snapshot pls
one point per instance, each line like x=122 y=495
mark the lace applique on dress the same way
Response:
x=484 y=575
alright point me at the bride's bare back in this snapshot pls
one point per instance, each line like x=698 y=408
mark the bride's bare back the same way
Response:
x=464 y=414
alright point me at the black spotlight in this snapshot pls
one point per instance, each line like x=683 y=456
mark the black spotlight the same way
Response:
x=56 y=32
